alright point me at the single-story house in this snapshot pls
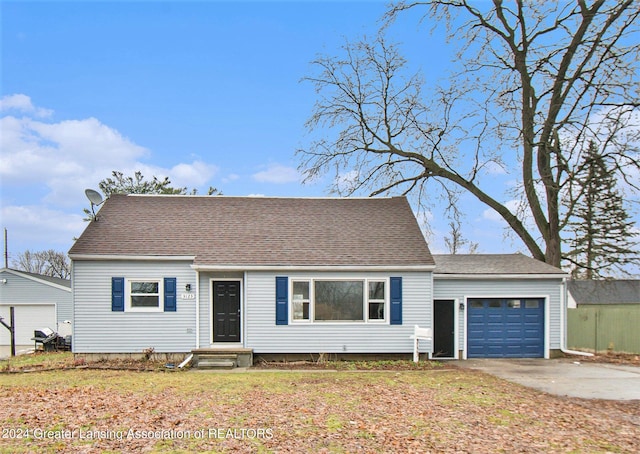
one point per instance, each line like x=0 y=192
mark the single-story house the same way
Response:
x=39 y=302
x=293 y=276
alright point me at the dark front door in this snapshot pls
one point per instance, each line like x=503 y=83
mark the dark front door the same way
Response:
x=443 y=328
x=226 y=311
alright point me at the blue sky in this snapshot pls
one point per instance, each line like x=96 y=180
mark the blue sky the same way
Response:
x=207 y=93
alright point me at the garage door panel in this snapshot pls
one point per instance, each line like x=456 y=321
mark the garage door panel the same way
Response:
x=28 y=318
x=505 y=328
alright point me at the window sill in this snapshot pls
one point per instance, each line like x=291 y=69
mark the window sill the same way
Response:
x=144 y=310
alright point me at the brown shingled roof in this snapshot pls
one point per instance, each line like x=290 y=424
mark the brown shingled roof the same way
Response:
x=258 y=231
x=492 y=264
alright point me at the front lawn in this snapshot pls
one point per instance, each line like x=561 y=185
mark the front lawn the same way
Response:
x=439 y=410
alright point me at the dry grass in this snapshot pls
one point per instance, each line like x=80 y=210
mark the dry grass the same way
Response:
x=442 y=410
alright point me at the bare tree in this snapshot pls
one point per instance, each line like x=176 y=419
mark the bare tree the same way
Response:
x=539 y=80
x=47 y=263
x=455 y=240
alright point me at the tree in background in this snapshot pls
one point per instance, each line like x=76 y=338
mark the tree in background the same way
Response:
x=536 y=82
x=601 y=235
x=118 y=183
x=47 y=263
x=455 y=241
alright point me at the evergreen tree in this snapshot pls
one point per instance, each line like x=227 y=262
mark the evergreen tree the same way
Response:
x=602 y=240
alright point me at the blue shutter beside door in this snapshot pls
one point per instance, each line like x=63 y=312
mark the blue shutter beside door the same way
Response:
x=282 y=300
x=396 y=301
x=170 y=296
x=117 y=294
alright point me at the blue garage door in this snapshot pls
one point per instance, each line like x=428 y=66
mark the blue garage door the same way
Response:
x=505 y=328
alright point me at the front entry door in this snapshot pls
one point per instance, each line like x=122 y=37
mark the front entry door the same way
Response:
x=443 y=328
x=226 y=311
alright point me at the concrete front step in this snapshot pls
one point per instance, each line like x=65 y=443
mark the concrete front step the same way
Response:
x=222 y=358
x=210 y=363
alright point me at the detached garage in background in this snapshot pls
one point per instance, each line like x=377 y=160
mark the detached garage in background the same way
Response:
x=604 y=316
x=39 y=302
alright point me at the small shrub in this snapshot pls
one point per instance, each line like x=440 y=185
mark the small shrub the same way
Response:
x=148 y=353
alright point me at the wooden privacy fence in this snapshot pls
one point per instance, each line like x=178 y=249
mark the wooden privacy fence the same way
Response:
x=601 y=328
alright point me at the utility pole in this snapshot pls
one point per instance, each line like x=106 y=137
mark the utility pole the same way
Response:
x=12 y=319
x=12 y=329
x=6 y=250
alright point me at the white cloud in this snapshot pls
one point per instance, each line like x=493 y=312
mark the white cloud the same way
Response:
x=63 y=157
x=33 y=151
x=278 y=174
x=192 y=175
x=39 y=228
x=45 y=167
x=68 y=156
x=22 y=103
x=231 y=177
x=345 y=182
x=184 y=175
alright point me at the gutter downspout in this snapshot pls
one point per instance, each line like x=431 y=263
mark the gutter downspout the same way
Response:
x=197 y=309
x=563 y=323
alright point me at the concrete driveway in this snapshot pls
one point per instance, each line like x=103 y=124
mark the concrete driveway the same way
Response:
x=565 y=377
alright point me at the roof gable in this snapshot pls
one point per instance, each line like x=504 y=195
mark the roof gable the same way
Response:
x=258 y=231
x=63 y=284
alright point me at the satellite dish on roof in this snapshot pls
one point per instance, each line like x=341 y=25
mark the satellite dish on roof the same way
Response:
x=95 y=198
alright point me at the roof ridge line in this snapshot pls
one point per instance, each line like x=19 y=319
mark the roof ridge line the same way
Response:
x=262 y=197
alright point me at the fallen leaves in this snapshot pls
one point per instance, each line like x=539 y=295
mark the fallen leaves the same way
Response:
x=631 y=359
x=405 y=411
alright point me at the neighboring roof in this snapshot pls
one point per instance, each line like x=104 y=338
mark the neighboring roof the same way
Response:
x=492 y=264
x=605 y=291
x=40 y=277
x=258 y=231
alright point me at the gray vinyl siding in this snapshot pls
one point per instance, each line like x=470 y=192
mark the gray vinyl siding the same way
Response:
x=460 y=289
x=97 y=329
x=264 y=336
x=20 y=290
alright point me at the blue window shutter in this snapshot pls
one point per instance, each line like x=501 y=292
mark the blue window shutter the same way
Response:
x=117 y=294
x=396 y=301
x=282 y=300
x=170 y=294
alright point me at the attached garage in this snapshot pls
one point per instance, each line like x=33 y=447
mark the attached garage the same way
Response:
x=504 y=305
x=505 y=328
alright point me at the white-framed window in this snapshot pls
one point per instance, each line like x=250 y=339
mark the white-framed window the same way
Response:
x=339 y=300
x=301 y=302
x=144 y=295
x=377 y=301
